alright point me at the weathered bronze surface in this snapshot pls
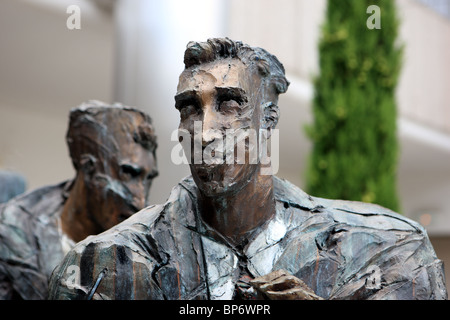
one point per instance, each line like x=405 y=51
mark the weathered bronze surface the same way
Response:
x=229 y=224
x=11 y=184
x=113 y=151
x=280 y=284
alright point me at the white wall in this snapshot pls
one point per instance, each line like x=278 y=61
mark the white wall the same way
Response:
x=423 y=90
x=45 y=70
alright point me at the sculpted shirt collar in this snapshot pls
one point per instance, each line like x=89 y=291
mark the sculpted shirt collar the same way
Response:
x=225 y=262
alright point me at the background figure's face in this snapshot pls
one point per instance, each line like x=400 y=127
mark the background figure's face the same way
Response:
x=122 y=171
x=225 y=99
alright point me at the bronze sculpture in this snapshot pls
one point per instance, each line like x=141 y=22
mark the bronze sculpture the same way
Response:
x=232 y=231
x=113 y=152
x=11 y=184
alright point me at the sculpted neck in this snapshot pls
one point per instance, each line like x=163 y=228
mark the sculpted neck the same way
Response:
x=75 y=220
x=236 y=216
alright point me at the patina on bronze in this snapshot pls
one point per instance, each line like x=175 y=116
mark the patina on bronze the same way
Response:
x=232 y=231
x=11 y=185
x=112 y=148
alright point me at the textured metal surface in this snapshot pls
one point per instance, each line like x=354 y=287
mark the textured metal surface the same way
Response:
x=334 y=247
x=31 y=242
x=11 y=185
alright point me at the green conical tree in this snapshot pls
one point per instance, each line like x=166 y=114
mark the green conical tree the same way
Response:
x=355 y=147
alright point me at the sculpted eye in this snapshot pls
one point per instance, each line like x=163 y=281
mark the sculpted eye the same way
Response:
x=131 y=170
x=187 y=106
x=187 y=110
x=230 y=99
x=152 y=175
x=229 y=105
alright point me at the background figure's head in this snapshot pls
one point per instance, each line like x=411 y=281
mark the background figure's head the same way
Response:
x=113 y=152
x=228 y=87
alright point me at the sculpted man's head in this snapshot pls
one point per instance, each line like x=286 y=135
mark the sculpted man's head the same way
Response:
x=227 y=86
x=113 y=152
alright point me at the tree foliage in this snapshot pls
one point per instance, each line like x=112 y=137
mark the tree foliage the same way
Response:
x=355 y=146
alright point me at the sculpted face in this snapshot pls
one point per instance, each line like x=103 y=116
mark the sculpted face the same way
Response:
x=216 y=100
x=118 y=172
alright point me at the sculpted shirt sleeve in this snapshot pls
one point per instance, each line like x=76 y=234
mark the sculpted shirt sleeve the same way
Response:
x=28 y=244
x=19 y=273
x=353 y=250
x=117 y=264
x=403 y=266
x=386 y=256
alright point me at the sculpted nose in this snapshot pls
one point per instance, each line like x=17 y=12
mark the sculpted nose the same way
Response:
x=209 y=131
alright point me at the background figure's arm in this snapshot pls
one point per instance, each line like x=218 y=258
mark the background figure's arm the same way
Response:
x=20 y=274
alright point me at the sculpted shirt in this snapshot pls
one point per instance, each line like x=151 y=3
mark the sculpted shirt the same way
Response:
x=31 y=242
x=340 y=249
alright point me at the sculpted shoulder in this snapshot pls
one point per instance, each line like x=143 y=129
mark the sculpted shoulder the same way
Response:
x=137 y=225
x=100 y=264
x=40 y=205
x=129 y=251
x=30 y=245
x=353 y=213
x=342 y=244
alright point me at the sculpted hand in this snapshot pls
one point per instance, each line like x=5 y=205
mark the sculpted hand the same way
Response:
x=280 y=285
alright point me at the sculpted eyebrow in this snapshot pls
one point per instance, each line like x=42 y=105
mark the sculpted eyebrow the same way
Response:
x=234 y=93
x=185 y=96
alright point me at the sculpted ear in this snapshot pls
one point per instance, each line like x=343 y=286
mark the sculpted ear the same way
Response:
x=271 y=113
x=87 y=163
